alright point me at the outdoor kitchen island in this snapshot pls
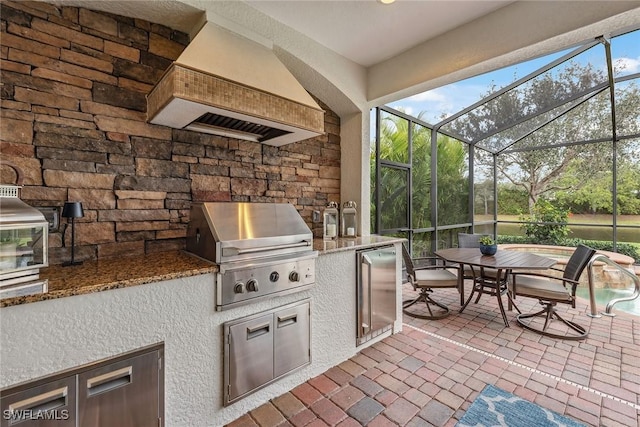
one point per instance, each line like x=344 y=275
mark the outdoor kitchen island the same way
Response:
x=43 y=337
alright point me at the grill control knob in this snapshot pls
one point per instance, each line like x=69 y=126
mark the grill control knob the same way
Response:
x=252 y=285
x=294 y=276
x=239 y=288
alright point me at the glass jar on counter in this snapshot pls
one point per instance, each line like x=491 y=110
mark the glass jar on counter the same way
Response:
x=330 y=222
x=349 y=219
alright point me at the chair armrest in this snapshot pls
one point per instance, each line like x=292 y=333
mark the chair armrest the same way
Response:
x=437 y=262
x=547 y=276
x=434 y=267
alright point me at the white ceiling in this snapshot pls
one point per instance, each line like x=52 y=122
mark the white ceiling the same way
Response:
x=364 y=31
x=367 y=31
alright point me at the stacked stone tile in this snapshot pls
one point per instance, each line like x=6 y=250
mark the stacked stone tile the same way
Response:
x=73 y=117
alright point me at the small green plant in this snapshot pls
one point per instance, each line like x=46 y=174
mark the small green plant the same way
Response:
x=487 y=240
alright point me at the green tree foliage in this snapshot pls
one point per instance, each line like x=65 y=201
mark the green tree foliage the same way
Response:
x=544 y=162
x=512 y=200
x=453 y=179
x=483 y=193
x=547 y=223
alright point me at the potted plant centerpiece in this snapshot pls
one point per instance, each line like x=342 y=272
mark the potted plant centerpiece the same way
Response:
x=488 y=246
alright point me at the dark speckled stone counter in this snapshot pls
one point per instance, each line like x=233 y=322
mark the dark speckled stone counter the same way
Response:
x=113 y=273
x=345 y=244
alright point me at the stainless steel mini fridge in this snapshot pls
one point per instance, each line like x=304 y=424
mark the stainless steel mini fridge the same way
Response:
x=375 y=292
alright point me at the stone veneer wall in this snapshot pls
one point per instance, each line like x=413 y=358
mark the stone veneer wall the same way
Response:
x=73 y=117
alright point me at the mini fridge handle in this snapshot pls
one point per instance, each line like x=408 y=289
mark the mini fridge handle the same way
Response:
x=365 y=307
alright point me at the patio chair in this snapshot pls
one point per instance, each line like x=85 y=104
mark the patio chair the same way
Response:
x=484 y=275
x=551 y=290
x=424 y=279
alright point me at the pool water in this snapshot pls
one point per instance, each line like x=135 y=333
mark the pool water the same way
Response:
x=604 y=295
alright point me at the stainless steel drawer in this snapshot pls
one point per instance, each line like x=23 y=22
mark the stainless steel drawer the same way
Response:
x=48 y=405
x=123 y=394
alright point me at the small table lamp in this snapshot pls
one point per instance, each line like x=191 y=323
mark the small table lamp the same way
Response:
x=72 y=210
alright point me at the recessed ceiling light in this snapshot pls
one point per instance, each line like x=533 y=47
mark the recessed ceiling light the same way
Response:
x=386 y=1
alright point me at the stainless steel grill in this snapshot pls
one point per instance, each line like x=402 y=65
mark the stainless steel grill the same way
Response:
x=262 y=249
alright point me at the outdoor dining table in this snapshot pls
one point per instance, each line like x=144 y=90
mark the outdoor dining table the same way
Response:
x=504 y=261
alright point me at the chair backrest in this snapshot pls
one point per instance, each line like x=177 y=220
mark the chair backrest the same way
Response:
x=408 y=262
x=578 y=262
x=468 y=240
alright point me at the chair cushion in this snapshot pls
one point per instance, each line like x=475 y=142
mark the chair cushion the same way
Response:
x=541 y=288
x=436 y=278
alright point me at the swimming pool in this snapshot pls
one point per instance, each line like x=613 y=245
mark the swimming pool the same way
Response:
x=604 y=295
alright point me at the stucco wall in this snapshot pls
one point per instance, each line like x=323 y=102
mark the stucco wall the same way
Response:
x=46 y=337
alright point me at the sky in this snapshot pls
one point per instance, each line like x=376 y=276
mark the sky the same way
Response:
x=447 y=100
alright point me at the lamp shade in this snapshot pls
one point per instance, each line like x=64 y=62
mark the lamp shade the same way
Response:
x=72 y=210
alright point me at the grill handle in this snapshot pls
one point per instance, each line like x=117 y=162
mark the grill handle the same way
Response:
x=237 y=251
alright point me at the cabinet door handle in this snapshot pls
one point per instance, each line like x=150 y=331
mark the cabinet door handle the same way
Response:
x=287 y=320
x=258 y=330
x=42 y=402
x=109 y=381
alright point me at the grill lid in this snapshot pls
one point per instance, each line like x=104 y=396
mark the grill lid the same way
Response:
x=226 y=232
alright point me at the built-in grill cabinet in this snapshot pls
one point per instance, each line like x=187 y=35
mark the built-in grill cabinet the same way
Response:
x=262 y=250
x=23 y=244
x=264 y=347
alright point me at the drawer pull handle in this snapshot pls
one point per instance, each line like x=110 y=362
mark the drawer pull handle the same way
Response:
x=109 y=381
x=258 y=330
x=42 y=402
x=287 y=320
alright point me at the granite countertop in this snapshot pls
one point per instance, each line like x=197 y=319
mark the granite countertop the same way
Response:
x=349 y=244
x=113 y=273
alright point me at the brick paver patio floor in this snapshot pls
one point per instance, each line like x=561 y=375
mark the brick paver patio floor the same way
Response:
x=429 y=374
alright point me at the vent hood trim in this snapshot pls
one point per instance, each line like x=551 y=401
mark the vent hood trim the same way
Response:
x=185 y=93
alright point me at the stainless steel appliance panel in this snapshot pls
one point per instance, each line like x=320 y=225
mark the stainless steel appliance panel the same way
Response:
x=227 y=232
x=376 y=290
x=292 y=339
x=264 y=347
x=48 y=405
x=123 y=393
x=250 y=355
x=249 y=282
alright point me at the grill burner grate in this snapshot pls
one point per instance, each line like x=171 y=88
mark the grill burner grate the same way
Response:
x=262 y=132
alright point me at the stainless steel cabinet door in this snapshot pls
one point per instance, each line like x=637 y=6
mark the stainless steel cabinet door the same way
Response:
x=376 y=290
x=49 y=405
x=291 y=341
x=121 y=394
x=250 y=355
